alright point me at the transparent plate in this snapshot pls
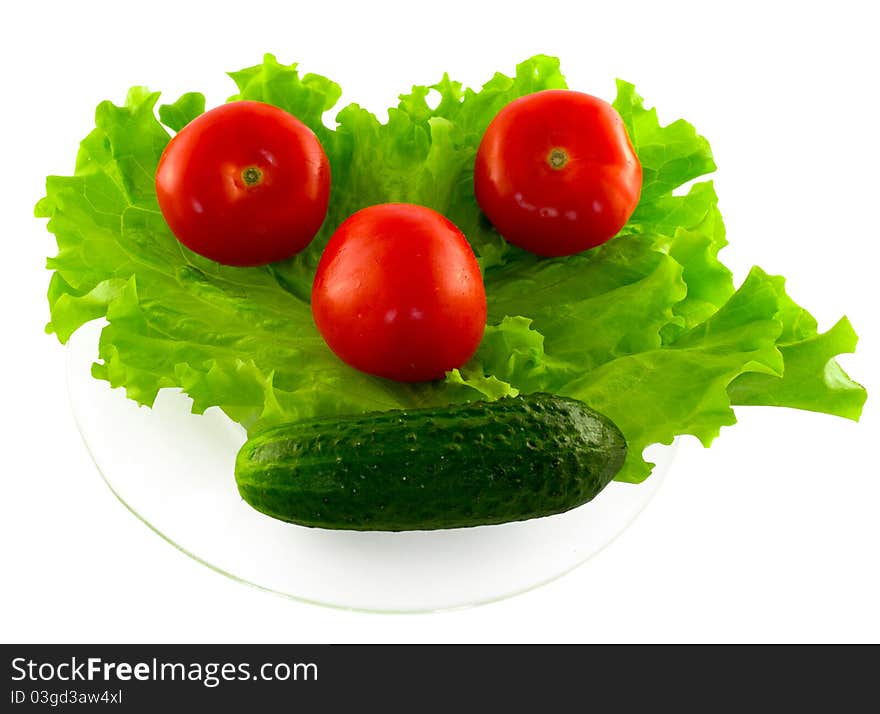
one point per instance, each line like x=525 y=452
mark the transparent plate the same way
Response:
x=174 y=471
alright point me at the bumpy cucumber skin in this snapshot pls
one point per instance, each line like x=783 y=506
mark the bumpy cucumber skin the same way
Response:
x=464 y=465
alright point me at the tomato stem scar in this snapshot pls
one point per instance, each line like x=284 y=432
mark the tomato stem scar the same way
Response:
x=251 y=176
x=557 y=158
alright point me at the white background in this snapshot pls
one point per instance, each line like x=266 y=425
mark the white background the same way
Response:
x=771 y=535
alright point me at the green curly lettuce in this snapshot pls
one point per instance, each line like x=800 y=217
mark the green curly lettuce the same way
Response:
x=648 y=328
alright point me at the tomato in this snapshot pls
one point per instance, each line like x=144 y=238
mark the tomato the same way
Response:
x=398 y=293
x=556 y=173
x=244 y=184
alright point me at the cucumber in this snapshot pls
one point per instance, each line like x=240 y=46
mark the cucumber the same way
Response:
x=463 y=465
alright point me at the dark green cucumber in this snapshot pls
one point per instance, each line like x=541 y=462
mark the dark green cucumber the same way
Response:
x=463 y=465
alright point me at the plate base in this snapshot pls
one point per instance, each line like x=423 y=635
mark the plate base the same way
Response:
x=174 y=471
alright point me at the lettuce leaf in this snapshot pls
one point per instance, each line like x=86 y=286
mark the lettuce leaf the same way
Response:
x=648 y=328
x=657 y=394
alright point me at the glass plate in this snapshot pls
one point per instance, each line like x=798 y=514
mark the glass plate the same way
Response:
x=174 y=471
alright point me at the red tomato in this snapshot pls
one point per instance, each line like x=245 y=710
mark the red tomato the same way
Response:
x=244 y=184
x=556 y=172
x=398 y=293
